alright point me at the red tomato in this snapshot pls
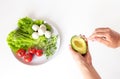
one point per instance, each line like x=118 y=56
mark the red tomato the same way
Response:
x=28 y=57
x=32 y=50
x=39 y=52
x=21 y=52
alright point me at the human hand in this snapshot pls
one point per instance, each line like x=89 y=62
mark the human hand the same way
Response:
x=80 y=59
x=106 y=36
x=85 y=64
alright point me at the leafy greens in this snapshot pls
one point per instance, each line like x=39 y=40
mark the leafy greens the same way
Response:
x=22 y=38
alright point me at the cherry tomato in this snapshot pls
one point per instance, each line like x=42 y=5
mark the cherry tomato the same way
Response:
x=39 y=52
x=21 y=52
x=28 y=57
x=32 y=50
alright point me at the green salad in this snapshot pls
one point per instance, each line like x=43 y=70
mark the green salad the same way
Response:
x=33 y=33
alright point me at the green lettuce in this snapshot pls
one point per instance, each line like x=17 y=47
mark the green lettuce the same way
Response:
x=18 y=39
x=22 y=37
x=25 y=24
x=39 y=22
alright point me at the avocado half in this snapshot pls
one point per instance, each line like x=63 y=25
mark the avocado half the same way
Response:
x=79 y=44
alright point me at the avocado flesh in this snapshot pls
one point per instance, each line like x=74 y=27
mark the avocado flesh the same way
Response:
x=79 y=44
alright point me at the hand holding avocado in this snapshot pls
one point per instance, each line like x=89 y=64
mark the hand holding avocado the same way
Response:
x=79 y=48
x=80 y=52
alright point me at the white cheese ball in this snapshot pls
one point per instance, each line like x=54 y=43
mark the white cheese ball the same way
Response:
x=48 y=34
x=41 y=31
x=35 y=35
x=43 y=27
x=35 y=27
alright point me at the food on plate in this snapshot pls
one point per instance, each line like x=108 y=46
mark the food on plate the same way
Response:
x=79 y=44
x=35 y=27
x=20 y=52
x=39 y=52
x=35 y=35
x=47 y=34
x=28 y=57
x=32 y=37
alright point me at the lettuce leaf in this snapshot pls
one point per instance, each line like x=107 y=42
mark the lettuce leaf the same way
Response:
x=39 y=22
x=25 y=24
x=18 y=39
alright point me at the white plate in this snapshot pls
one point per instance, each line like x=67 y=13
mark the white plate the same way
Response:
x=43 y=59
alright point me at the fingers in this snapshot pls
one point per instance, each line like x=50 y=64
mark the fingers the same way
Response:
x=100 y=37
x=97 y=35
x=83 y=36
x=106 y=29
x=102 y=40
x=100 y=33
x=88 y=58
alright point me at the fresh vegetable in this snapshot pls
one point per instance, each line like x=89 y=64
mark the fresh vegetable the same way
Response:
x=25 y=24
x=48 y=27
x=28 y=57
x=32 y=50
x=79 y=44
x=39 y=22
x=39 y=52
x=17 y=39
x=21 y=52
x=50 y=46
x=23 y=37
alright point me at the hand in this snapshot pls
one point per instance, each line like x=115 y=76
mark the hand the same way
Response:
x=106 y=36
x=81 y=60
x=85 y=64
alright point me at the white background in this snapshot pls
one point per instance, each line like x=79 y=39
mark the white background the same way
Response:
x=70 y=17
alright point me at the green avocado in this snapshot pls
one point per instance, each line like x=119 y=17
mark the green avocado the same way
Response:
x=79 y=44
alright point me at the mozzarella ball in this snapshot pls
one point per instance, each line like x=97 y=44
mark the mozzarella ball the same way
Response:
x=43 y=27
x=35 y=27
x=48 y=34
x=35 y=35
x=41 y=31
